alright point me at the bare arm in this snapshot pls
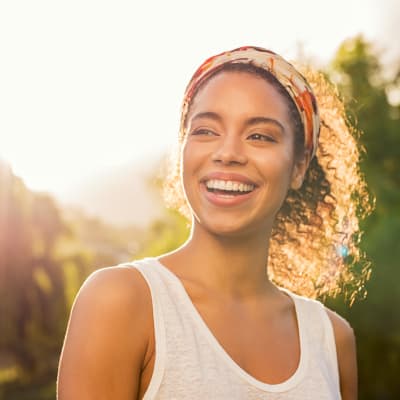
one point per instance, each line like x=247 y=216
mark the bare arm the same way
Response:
x=346 y=354
x=107 y=337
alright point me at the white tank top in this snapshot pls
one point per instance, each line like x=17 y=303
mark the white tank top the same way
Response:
x=190 y=363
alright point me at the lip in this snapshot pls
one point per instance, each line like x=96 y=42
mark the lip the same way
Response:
x=223 y=200
x=228 y=176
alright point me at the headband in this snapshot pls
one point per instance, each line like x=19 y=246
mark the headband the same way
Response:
x=291 y=79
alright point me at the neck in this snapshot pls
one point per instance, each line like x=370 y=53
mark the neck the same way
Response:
x=234 y=265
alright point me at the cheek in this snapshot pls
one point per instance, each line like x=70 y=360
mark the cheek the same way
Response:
x=192 y=156
x=275 y=163
x=188 y=161
x=189 y=165
x=185 y=159
x=277 y=172
x=284 y=161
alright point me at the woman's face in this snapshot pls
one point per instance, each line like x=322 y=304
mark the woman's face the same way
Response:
x=238 y=155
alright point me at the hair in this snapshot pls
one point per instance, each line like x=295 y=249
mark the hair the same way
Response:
x=314 y=247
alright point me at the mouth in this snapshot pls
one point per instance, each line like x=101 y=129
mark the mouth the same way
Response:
x=228 y=187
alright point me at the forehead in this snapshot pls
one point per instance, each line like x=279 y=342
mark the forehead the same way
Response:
x=239 y=92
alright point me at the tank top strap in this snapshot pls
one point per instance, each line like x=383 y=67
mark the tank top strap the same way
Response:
x=329 y=341
x=319 y=331
x=160 y=299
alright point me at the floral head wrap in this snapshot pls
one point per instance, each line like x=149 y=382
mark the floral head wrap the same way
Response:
x=291 y=79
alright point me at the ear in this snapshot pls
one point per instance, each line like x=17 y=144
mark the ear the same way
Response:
x=299 y=170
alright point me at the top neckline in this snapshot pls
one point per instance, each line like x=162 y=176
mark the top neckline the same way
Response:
x=292 y=381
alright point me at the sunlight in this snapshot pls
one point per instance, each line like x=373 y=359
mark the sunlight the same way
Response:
x=74 y=101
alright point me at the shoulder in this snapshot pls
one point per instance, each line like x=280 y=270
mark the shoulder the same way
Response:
x=114 y=297
x=346 y=354
x=108 y=335
x=344 y=334
x=113 y=284
x=116 y=293
x=343 y=331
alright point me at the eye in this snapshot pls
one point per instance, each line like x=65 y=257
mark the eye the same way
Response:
x=262 y=137
x=203 y=132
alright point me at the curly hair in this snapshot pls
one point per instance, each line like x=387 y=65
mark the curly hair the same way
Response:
x=314 y=247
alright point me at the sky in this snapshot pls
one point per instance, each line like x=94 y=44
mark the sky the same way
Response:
x=87 y=86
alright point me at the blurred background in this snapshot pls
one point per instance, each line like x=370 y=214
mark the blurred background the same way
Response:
x=89 y=111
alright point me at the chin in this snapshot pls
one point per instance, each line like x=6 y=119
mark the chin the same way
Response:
x=228 y=229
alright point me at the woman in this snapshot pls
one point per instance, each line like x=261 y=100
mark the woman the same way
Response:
x=206 y=321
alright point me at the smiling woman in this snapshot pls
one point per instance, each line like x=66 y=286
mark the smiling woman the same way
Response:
x=270 y=197
x=320 y=218
x=249 y=141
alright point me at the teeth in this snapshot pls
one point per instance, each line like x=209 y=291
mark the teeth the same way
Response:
x=232 y=186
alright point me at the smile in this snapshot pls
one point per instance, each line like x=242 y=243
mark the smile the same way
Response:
x=228 y=187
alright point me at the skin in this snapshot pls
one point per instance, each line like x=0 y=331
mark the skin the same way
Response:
x=226 y=251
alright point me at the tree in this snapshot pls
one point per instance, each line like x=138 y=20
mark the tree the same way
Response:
x=44 y=258
x=33 y=313
x=361 y=79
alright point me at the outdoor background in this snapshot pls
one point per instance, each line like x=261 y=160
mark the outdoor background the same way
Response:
x=89 y=110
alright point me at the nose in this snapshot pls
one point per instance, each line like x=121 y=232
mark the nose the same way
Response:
x=229 y=151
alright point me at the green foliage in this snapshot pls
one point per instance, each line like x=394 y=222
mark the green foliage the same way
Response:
x=44 y=260
x=360 y=78
x=32 y=313
x=376 y=320
x=165 y=235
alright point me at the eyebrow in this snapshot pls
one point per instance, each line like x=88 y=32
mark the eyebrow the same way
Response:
x=207 y=114
x=264 y=120
x=249 y=122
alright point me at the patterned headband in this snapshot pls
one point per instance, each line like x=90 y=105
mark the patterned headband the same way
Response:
x=294 y=83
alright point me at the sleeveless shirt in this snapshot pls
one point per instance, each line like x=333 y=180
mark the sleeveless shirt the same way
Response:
x=190 y=364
